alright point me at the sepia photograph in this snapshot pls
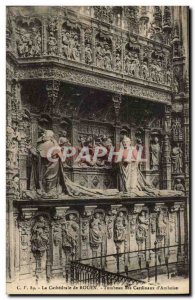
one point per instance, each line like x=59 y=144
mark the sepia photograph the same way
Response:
x=97 y=150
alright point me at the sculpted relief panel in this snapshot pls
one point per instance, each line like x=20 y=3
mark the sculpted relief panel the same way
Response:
x=49 y=242
x=76 y=42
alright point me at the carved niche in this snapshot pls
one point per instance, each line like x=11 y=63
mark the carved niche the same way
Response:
x=70 y=236
x=142 y=228
x=29 y=37
x=103 y=51
x=132 y=58
x=88 y=46
x=71 y=44
x=157 y=67
x=40 y=244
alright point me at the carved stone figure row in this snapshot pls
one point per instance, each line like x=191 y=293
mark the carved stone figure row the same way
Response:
x=64 y=230
x=29 y=44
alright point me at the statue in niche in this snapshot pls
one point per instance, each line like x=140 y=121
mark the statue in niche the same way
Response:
x=142 y=227
x=99 y=56
x=128 y=60
x=153 y=70
x=118 y=62
x=88 y=54
x=176 y=86
x=40 y=236
x=131 y=179
x=47 y=177
x=159 y=71
x=145 y=70
x=70 y=235
x=177 y=161
x=66 y=44
x=169 y=76
x=96 y=231
x=179 y=186
x=107 y=57
x=74 y=47
x=120 y=226
x=135 y=65
x=155 y=154
x=162 y=224
x=36 y=42
x=52 y=44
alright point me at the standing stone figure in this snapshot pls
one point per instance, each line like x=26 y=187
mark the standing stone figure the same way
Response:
x=40 y=236
x=96 y=231
x=142 y=228
x=119 y=228
x=155 y=154
x=177 y=162
x=70 y=236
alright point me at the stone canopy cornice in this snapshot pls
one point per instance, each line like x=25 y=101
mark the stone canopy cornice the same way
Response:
x=93 y=78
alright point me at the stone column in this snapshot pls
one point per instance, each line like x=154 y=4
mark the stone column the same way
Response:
x=59 y=28
x=44 y=35
x=166 y=159
x=123 y=55
x=147 y=148
x=114 y=53
x=93 y=46
x=117 y=99
x=186 y=140
x=82 y=45
x=133 y=259
x=59 y=263
x=86 y=251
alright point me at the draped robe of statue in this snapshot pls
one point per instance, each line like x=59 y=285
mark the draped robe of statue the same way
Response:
x=131 y=180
